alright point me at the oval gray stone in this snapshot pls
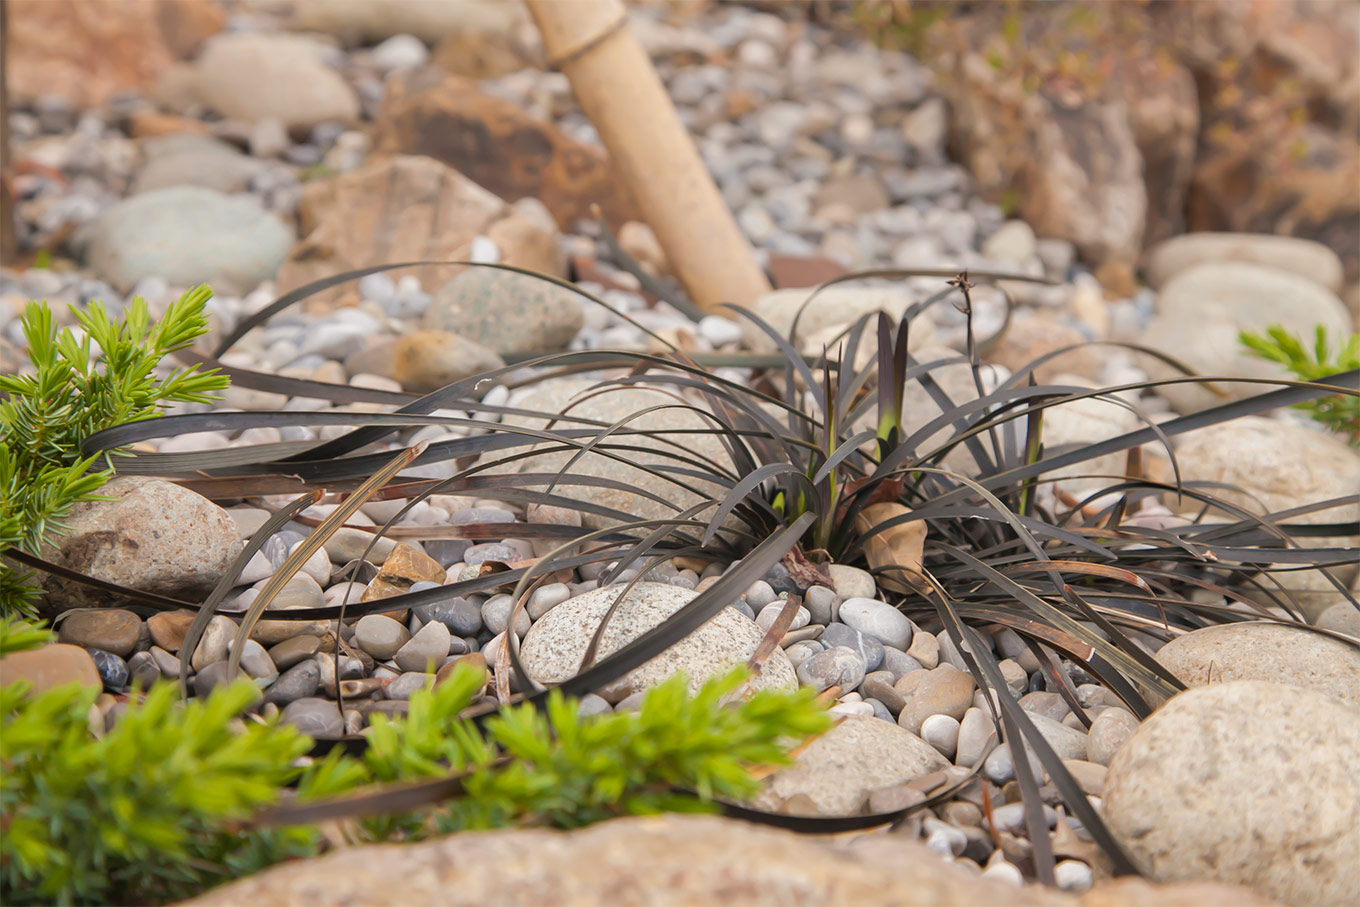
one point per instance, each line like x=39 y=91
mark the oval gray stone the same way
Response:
x=877 y=619
x=188 y=235
x=316 y=718
x=380 y=636
x=839 y=666
x=428 y=647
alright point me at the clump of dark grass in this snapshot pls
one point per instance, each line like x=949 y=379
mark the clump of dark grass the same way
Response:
x=820 y=464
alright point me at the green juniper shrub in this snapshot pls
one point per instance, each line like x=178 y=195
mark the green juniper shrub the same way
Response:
x=158 y=807
x=83 y=381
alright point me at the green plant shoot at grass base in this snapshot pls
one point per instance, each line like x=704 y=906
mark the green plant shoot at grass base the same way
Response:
x=152 y=811
x=82 y=383
x=1340 y=413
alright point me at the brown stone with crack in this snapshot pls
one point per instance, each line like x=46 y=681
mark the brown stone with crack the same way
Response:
x=499 y=146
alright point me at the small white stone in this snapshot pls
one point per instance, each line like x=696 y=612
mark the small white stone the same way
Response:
x=941 y=732
x=400 y=52
x=483 y=249
x=1005 y=872
x=719 y=331
x=1073 y=875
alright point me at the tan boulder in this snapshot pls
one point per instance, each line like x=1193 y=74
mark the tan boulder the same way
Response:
x=404 y=208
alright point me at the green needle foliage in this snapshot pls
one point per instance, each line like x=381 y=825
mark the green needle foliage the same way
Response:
x=141 y=814
x=17 y=634
x=1340 y=413
x=83 y=382
x=158 y=808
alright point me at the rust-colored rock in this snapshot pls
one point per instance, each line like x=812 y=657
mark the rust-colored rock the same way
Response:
x=89 y=50
x=404 y=566
x=406 y=208
x=168 y=628
x=499 y=146
x=788 y=271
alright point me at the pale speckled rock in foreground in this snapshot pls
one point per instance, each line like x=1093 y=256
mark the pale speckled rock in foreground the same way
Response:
x=669 y=860
x=1246 y=782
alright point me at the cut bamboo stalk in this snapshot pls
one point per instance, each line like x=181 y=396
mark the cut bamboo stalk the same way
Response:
x=620 y=92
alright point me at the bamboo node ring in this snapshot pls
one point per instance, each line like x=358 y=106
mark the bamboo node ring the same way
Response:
x=589 y=44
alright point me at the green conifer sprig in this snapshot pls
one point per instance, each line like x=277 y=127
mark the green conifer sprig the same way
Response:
x=82 y=381
x=1341 y=412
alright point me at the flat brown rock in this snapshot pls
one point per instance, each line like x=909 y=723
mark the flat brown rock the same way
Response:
x=499 y=146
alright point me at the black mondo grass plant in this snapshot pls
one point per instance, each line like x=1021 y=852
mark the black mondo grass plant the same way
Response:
x=810 y=462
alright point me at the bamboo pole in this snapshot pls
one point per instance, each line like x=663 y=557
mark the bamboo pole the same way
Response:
x=618 y=89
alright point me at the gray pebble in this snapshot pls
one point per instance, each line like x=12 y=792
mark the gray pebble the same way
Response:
x=999 y=767
x=380 y=636
x=800 y=652
x=491 y=551
x=770 y=613
x=406 y=684
x=496 y=615
x=256 y=662
x=821 y=603
x=838 y=666
x=759 y=594
x=429 y=646
x=298 y=682
x=211 y=677
x=744 y=608
x=165 y=662
x=462 y=616
x=899 y=662
x=144 y=670
x=545 y=598
x=592 y=704
x=1050 y=705
x=1011 y=817
x=869 y=648
x=447 y=552
x=315 y=717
